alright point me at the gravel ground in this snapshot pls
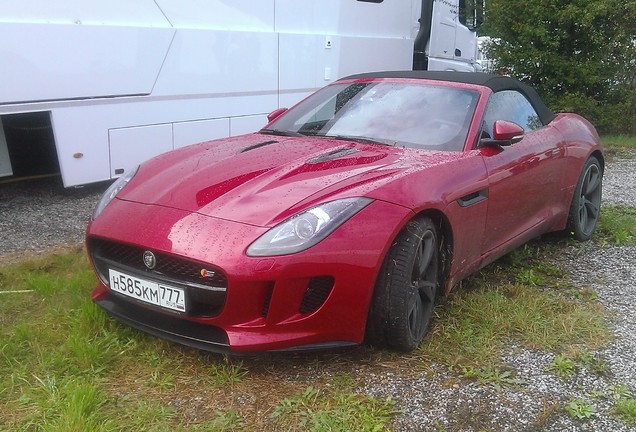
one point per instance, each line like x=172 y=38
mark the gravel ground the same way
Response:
x=40 y=215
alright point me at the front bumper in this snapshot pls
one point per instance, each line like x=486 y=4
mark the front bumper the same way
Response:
x=316 y=298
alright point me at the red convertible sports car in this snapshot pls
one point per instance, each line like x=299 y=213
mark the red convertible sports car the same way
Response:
x=344 y=218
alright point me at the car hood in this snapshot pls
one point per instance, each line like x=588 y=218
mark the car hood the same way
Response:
x=257 y=179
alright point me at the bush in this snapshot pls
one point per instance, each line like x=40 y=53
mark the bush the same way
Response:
x=580 y=56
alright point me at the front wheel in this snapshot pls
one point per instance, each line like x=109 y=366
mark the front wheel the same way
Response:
x=586 y=202
x=405 y=292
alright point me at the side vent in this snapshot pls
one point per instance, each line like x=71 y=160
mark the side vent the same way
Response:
x=317 y=292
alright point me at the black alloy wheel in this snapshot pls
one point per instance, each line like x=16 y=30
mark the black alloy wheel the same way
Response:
x=586 y=202
x=406 y=288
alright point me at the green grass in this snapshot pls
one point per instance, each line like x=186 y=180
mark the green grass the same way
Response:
x=566 y=365
x=625 y=409
x=66 y=366
x=619 y=141
x=520 y=299
x=619 y=145
x=563 y=366
x=580 y=409
x=617 y=226
x=316 y=410
x=493 y=376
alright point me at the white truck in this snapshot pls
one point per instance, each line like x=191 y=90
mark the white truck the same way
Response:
x=89 y=89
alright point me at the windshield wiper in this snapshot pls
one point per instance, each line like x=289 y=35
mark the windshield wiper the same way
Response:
x=279 y=132
x=360 y=139
x=355 y=138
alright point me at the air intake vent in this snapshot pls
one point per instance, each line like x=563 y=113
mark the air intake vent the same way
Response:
x=268 y=299
x=255 y=146
x=333 y=155
x=317 y=292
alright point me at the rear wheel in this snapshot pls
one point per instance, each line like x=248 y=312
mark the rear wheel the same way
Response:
x=586 y=203
x=406 y=288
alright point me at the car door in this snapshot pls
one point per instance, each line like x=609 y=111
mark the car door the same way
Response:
x=524 y=178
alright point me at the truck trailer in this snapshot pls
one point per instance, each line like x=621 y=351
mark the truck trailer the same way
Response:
x=91 y=89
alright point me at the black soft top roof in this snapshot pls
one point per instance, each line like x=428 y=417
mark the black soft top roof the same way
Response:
x=494 y=82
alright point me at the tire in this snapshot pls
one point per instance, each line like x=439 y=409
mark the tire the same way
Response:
x=406 y=288
x=586 y=202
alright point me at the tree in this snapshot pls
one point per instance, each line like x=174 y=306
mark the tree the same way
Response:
x=579 y=54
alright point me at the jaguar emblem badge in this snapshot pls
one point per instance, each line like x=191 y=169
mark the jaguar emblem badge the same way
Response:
x=150 y=260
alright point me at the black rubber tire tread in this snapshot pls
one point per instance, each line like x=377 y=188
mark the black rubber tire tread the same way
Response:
x=574 y=227
x=388 y=324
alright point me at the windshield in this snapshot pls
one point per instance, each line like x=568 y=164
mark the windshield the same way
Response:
x=396 y=113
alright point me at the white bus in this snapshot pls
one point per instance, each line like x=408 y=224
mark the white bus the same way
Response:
x=89 y=89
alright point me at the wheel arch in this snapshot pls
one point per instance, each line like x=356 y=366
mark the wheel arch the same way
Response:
x=379 y=306
x=599 y=155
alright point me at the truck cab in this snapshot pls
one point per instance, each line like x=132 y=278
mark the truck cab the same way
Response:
x=447 y=38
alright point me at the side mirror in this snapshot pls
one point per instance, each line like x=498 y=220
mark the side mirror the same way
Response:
x=275 y=114
x=505 y=133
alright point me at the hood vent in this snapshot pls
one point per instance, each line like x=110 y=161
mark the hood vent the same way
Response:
x=255 y=146
x=333 y=155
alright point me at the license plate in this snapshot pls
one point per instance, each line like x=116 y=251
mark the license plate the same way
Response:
x=149 y=292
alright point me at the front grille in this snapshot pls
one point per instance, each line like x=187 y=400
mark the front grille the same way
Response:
x=205 y=290
x=317 y=292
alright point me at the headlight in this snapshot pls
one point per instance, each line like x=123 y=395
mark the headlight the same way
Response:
x=307 y=228
x=113 y=190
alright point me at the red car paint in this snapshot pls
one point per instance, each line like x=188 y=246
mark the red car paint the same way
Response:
x=208 y=202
